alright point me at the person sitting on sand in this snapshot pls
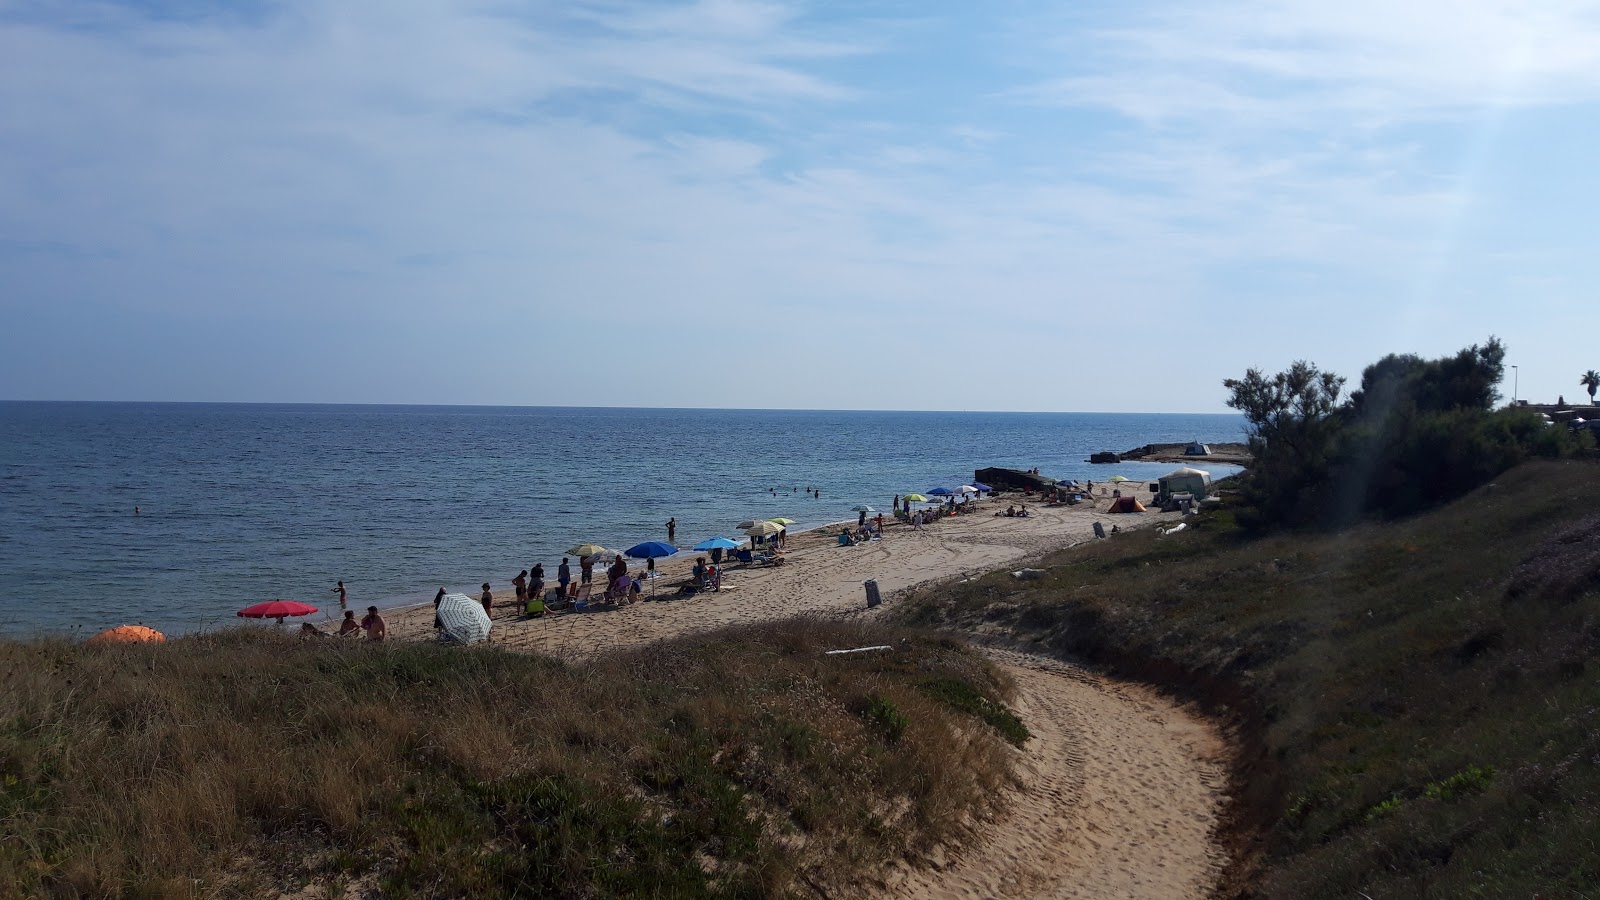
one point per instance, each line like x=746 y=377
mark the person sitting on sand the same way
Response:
x=635 y=592
x=309 y=630
x=617 y=570
x=349 y=626
x=374 y=625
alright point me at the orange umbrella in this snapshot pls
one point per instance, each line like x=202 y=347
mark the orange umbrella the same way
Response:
x=128 y=634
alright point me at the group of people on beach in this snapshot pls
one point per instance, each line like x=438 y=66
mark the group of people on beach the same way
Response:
x=372 y=625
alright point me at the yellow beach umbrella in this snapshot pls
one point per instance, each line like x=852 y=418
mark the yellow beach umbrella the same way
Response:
x=762 y=529
x=782 y=521
x=915 y=498
x=587 y=550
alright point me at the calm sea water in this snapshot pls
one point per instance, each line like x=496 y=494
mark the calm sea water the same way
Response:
x=246 y=502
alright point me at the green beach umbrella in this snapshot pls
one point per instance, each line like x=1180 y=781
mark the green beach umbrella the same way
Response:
x=915 y=498
x=782 y=521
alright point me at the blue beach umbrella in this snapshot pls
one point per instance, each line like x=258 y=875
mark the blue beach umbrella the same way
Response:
x=651 y=550
x=718 y=543
x=982 y=487
x=941 y=492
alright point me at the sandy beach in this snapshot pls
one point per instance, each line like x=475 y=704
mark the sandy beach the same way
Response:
x=817 y=577
x=1119 y=790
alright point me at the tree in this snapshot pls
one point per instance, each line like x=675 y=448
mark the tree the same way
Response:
x=1591 y=380
x=1292 y=435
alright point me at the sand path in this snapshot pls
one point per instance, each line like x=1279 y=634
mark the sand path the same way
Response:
x=1118 y=795
x=1119 y=789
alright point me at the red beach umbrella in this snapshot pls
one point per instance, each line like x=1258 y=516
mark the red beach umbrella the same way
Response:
x=277 y=609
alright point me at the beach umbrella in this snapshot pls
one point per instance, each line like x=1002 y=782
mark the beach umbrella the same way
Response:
x=276 y=609
x=128 y=634
x=915 y=498
x=781 y=521
x=762 y=529
x=968 y=489
x=1116 y=479
x=587 y=550
x=719 y=543
x=941 y=492
x=982 y=488
x=862 y=508
x=748 y=523
x=463 y=618
x=651 y=550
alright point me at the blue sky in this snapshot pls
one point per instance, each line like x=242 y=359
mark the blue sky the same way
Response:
x=883 y=205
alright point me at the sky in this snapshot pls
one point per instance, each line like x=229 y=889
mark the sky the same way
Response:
x=877 y=204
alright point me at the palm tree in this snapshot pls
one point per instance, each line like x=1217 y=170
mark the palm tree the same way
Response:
x=1591 y=380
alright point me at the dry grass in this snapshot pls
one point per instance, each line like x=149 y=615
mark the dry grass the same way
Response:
x=741 y=763
x=1416 y=700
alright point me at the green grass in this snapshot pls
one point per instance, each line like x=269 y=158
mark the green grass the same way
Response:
x=1416 y=701
x=744 y=763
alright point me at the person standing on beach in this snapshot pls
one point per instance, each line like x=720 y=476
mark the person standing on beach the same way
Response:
x=564 y=577
x=880 y=523
x=375 y=627
x=521 y=584
x=437 y=622
x=487 y=599
x=586 y=569
x=916 y=520
x=536 y=582
x=339 y=589
x=672 y=530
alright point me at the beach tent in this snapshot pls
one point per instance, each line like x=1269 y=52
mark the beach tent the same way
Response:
x=1196 y=449
x=463 y=618
x=1186 y=480
x=1126 y=505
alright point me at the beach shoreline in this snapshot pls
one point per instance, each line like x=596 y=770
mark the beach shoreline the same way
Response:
x=817 y=577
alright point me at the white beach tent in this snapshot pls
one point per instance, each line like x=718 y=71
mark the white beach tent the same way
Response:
x=1184 y=479
x=463 y=618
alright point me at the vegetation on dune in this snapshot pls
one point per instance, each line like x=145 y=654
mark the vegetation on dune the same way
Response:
x=1416 y=433
x=1416 y=700
x=741 y=763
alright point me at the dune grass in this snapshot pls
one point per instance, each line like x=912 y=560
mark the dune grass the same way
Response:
x=1417 y=701
x=743 y=763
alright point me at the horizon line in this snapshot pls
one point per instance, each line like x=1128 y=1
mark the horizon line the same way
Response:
x=609 y=407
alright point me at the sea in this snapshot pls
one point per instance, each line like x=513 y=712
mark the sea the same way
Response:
x=176 y=515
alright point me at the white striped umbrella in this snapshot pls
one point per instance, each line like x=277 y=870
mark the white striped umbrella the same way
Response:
x=463 y=618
